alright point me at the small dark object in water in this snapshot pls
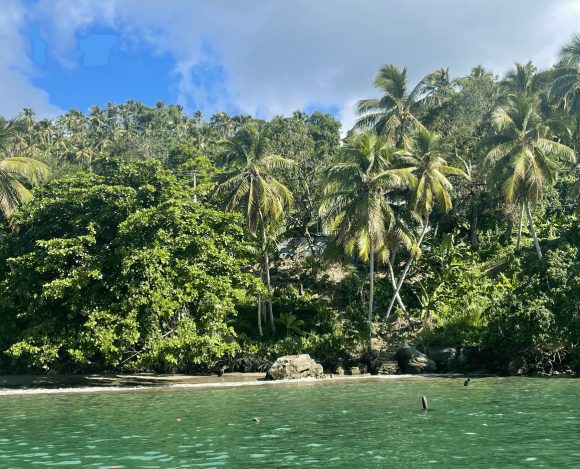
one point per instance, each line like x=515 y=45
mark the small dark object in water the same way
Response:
x=424 y=402
x=256 y=420
x=467 y=382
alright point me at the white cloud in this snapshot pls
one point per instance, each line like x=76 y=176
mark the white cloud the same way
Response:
x=16 y=67
x=281 y=56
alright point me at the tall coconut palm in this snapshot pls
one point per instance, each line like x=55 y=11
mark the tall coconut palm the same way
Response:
x=478 y=72
x=432 y=188
x=96 y=118
x=28 y=117
x=439 y=87
x=222 y=123
x=393 y=114
x=525 y=79
x=355 y=198
x=250 y=185
x=565 y=80
x=523 y=158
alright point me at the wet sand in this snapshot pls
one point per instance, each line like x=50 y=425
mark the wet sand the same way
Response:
x=15 y=386
x=105 y=380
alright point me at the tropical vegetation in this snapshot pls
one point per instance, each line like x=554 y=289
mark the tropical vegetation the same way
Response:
x=145 y=237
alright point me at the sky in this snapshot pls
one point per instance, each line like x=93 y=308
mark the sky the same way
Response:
x=258 y=57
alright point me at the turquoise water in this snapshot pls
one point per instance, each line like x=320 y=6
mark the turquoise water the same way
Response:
x=496 y=423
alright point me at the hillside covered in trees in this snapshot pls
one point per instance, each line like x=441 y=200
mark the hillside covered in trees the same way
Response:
x=148 y=238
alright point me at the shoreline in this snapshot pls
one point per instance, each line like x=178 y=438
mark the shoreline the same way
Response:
x=30 y=386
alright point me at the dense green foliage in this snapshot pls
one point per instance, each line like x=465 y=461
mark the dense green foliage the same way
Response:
x=122 y=265
x=153 y=242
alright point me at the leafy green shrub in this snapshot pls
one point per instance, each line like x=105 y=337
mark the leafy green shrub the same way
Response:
x=356 y=326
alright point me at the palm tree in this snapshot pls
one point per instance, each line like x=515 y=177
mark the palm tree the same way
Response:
x=355 y=202
x=565 y=80
x=478 y=72
x=439 y=87
x=28 y=117
x=83 y=153
x=197 y=117
x=523 y=158
x=222 y=123
x=250 y=184
x=392 y=115
x=525 y=79
x=432 y=186
x=12 y=192
x=96 y=118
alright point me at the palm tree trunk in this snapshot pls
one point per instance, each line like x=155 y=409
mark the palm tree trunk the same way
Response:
x=9 y=263
x=520 y=229
x=406 y=269
x=267 y=269
x=260 y=300
x=528 y=211
x=260 y=313
x=390 y=263
x=508 y=231
x=372 y=283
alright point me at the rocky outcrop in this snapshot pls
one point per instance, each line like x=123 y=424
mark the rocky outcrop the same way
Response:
x=413 y=362
x=445 y=358
x=362 y=368
x=386 y=367
x=295 y=367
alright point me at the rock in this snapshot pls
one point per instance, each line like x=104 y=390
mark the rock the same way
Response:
x=432 y=367
x=339 y=370
x=517 y=366
x=326 y=371
x=362 y=368
x=464 y=357
x=52 y=372
x=386 y=367
x=295 y=367
x=445 y=358
x=354 y=371
x=414 y=362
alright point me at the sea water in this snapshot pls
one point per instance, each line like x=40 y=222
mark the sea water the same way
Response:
x=494 y=423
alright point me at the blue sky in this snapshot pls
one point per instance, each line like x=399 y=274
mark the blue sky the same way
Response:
x=257 y=57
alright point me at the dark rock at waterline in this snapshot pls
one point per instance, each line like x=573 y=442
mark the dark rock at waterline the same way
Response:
x=445 y=358
x=517 y=366
x=386 y=367
x=464 y=357
x=362 y=368
x=411 y=361
x=295 y=367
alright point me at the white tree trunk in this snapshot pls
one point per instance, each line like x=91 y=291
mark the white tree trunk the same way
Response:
x=372 y=282
x=520 y=228
x=267 y=269
x=532 y=229
x=406 y=270
x=394 y=282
